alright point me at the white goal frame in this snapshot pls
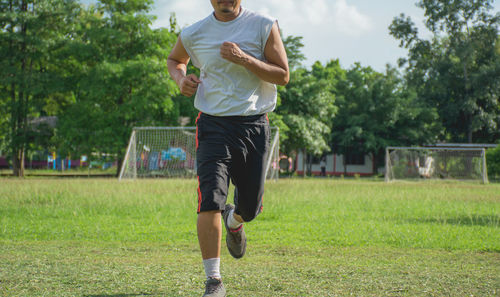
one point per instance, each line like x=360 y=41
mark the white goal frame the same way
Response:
x=137 y=145
x=426 y=171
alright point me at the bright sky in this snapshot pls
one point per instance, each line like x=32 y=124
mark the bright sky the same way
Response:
x=350 y=30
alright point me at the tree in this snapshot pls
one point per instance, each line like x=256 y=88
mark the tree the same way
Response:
x=307 y=108
x=305 y=105
x=30 y=31
x=119 y=78
x=493 y=161
x=377 y=110
x=293 y=46
x=457 y=71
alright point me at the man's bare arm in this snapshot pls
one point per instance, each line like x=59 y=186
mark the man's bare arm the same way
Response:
x=275 y=70
x=177 y=66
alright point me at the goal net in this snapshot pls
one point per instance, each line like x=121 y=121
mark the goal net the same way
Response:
x=163 y=152
x=403 y=163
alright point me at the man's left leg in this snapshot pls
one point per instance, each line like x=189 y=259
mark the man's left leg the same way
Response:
x=248 y=175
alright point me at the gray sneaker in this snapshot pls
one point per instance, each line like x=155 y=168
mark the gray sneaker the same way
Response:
x=236 y=239
x=214 y=288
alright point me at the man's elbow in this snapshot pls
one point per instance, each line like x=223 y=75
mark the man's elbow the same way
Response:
x=170 y=60
x=284 y=79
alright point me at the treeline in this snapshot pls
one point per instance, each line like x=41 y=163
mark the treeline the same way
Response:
x=100 y=70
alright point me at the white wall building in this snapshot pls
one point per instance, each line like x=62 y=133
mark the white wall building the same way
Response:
x=356 y=164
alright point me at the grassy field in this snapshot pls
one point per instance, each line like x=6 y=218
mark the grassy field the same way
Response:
x=74 y=172
x=316 y=237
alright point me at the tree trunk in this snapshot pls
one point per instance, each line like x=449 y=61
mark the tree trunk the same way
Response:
x=19 y=109
x=344 y=162
x=471 y=116
x=18 y=162
x=119 y=165
x=309 y=165
x=469 y=135
x=304 y=163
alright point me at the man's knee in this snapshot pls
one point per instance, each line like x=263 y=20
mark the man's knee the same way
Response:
x=247 y=215
x=209 y=212
x=248 y=204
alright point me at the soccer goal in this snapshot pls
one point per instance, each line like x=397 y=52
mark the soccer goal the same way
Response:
x=404 y=163
x=163 y=152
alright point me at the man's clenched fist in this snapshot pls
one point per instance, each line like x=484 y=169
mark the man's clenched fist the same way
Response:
x=189 y=84
x=232 y=52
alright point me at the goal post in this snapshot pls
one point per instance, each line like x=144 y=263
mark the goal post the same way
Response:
x=163 y=152
x=421 y=163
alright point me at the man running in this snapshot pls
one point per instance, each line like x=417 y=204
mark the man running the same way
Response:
x=241 y=59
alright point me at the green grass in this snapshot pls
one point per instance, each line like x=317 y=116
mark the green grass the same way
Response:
x=73 y=172
x=316 y=237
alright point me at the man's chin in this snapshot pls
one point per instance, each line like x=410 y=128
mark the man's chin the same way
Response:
x=226 y=10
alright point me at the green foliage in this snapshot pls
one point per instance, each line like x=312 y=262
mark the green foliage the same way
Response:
x=117 y=73
x=457 y=70
x=293 y=47
x=306 y=133
x=30 y=32
x=493 y=163
x=376 y=111
x=101 y=70
x=307 y=108
x=305 y=105
x=276 y=120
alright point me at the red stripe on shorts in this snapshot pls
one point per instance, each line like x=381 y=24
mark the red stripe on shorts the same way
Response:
x=197 y=143
x=199 y=115
x=262 y=203
x=199 y=195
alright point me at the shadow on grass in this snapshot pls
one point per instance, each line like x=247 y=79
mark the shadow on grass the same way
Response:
x=119 y=295
x=475 y=220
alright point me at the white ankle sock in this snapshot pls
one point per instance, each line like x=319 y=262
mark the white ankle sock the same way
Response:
x=232 y=222
x=212 y=267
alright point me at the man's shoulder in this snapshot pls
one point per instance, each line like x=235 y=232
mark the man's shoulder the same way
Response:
x=259 y=15
x=192 y=29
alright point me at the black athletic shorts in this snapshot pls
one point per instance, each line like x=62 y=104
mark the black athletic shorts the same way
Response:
x=232 y=148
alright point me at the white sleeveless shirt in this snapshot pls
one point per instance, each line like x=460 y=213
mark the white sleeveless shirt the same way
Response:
x=228 y=89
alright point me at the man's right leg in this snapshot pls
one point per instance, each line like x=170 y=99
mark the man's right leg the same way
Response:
x=209 y=236
x=209 y=233
x=212 y=158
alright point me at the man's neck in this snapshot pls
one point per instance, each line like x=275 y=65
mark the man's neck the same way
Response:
x=227 y=17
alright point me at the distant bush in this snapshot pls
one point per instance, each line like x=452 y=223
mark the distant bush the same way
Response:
x=493 y=162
